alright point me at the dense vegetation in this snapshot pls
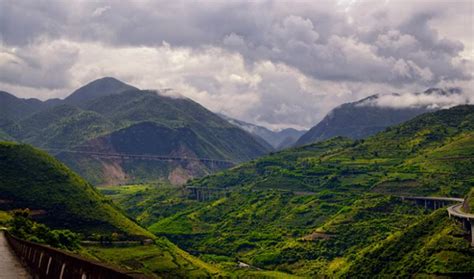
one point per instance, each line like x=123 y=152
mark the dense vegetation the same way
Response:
x=22 y=226
x=328 y=208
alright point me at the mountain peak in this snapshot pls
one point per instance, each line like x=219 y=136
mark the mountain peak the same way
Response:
x=98 y=88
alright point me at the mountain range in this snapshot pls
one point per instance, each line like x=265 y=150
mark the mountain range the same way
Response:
x=109 y=116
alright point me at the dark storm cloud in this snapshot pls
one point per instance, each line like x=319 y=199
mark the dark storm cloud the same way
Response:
x=315 y=38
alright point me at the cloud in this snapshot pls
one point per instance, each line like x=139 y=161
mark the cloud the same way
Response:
x=42 y=65
x=434 y=99
x=269 y=62
x=100 y=10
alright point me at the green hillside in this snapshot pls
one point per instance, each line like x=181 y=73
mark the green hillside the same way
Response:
x=322 y=209
x=62 y=126
x=430 y=246
x=32 y=179
x=217 y=137
x=147 y=123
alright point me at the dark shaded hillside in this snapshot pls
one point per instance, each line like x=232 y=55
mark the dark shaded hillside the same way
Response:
x=356 y=122
x=227 y=141
x=14 y=108
x=30 y=178
x=364 y=118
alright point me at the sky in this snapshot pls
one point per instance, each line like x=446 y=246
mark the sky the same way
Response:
x=274 y=63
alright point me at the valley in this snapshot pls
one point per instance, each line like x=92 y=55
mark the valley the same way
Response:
x=236 y=139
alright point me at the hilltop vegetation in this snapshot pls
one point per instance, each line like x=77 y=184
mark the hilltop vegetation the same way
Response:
x=323 y=209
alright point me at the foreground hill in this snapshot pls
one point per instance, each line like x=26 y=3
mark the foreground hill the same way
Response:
x=330 y=208
x=112 y=117
x=366 y=117
x=32 y=179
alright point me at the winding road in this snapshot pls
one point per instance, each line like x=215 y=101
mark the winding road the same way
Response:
x=454 y=211
x=10 y=266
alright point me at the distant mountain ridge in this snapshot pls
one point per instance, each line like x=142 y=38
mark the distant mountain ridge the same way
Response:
x=108 y=114
x=278 y=140
x=365 y=117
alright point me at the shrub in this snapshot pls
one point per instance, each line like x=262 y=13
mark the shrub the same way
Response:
x=23 y=227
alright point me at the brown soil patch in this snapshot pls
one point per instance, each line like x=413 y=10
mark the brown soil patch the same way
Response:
x=113 y=172
x=316 y=235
